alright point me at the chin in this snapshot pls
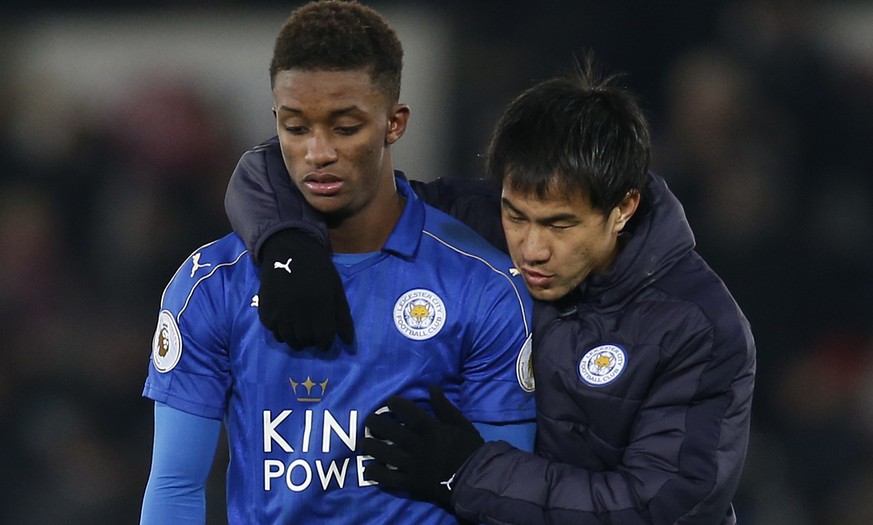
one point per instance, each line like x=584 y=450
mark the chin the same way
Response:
x=326 y=205
x=545 y=294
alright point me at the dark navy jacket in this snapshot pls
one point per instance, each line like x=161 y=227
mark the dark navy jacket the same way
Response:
x=644 y=377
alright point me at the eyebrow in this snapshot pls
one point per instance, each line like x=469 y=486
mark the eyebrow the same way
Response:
x=333 y=114
x=558 y=217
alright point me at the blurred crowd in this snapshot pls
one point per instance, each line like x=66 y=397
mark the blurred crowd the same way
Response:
x=762 y=118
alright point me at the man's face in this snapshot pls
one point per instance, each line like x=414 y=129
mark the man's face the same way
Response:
x=556 y=242
x=334 y=129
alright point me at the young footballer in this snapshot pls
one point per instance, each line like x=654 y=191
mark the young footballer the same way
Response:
x=429 y=303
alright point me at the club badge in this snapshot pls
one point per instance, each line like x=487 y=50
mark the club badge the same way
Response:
x=419 y=314
x=602 y=365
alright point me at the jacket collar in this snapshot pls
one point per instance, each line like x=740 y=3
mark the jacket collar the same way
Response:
x=657 y=237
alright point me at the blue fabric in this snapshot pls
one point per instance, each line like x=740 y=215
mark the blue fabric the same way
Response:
x=351 y=259
x=519 y=435
x=436 y=306
x=184 y=446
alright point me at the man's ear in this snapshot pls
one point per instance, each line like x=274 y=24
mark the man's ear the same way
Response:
x=397 y=123
x=625 y=210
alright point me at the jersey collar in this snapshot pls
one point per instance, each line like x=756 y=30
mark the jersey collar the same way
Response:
x=406 y=236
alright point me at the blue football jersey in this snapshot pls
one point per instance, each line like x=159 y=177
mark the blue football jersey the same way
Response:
x=437 y=305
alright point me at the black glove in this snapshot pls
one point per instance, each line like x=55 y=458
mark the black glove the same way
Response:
x=421 y=454
x=301 y=299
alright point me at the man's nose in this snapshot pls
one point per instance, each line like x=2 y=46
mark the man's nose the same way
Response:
x=319 y=149
x=535 y=246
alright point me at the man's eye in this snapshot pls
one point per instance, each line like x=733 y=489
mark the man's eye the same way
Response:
x=296 y=130
x=560 y=227
x=347 y=130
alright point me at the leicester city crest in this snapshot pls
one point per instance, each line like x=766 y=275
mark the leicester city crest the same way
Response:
x=419 y=314
x=602 y=365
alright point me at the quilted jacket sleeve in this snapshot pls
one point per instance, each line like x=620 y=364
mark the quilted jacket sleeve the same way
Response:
x=475 y=202
x=682 y=463
x=261 y=199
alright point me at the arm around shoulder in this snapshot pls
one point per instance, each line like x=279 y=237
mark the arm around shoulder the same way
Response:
x=475 y=202
x=261 y=200
x=682 y=462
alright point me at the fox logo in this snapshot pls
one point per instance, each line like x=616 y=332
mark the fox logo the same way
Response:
x=419 y=312
x=602 y=361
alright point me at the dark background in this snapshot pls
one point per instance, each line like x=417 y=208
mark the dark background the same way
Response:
x=114 y=156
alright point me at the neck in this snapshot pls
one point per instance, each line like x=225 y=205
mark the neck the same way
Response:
x=367 y=231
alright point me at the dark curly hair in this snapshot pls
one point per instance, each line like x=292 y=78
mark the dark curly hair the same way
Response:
x=339 y=35
x=577 y=133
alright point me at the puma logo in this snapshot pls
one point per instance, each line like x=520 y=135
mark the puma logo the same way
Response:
x=514 y=272
x=197 y=265
x=286 y=266
x=448 y=482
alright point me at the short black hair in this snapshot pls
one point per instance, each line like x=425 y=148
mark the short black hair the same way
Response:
x=338 y=35
x=574 y=133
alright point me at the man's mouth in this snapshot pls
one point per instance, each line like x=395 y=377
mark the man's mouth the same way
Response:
x=536 y=279
x=323 y=185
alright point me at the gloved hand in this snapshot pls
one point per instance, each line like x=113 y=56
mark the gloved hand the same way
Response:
x=301 y=299
x=422 y=453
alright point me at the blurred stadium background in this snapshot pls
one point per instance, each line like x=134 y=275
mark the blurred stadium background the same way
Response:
x=122 y=121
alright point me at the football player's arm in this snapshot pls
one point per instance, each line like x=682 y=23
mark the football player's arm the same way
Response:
x=183 y=451
x=301 y=297
x=261 y=200
x=665 y=475
x=475 y=202
x=305 y=305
